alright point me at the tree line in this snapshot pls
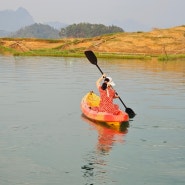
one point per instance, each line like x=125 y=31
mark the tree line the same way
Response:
x=86 y=30
x=37 y=30
x=81 y=30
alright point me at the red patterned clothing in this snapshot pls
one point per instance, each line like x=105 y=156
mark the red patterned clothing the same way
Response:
x=106 y=101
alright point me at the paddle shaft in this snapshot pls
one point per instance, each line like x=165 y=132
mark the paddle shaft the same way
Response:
x=99 y=69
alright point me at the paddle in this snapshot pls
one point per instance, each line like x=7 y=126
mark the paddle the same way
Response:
x=93 y=59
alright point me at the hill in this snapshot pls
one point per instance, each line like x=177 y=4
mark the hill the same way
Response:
x=83 y=30
x=156 y=42
x=37 y=31
x=87 y=30
x=11 y=21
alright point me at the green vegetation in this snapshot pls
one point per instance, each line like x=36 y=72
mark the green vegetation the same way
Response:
x=87 y=30
x=80 y=53
x=123 y=56
x=51 y=52
x=77 y=53
x=171 y=57
x=81 y=30
x=5 y=50
x=37 y=31
x=123 y=45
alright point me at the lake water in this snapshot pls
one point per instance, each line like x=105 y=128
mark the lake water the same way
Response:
x=45 y=140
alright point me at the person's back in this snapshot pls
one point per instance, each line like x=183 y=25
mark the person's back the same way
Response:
x=107 y=94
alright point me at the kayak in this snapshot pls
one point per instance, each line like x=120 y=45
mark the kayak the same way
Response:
x=89 y=107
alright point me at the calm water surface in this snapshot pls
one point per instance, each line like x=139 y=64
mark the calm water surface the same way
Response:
x=44 y=140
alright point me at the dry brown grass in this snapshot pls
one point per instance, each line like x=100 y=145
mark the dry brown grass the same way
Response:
x=155 y=42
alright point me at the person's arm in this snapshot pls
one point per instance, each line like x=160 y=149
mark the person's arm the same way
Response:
x=99 y=81
x=115 y=94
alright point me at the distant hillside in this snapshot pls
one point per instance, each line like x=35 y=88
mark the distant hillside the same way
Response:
x=82 y=30
x=11 y=21
x=156 y=42
x=37 y=31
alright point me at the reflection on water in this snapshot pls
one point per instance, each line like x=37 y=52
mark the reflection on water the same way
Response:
x=107 y=134
x=107 y=137
x=44 y=139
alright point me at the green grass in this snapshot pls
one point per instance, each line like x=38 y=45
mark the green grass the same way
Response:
x=5 y=50
x=51 y=52
x=122 y=56
x=78 y=53
x=171 y=57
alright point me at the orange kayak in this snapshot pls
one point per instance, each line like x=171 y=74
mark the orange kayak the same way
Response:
x=89 y=105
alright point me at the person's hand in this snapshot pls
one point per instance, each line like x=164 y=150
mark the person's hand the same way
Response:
x=103 y=76
x=116 y=96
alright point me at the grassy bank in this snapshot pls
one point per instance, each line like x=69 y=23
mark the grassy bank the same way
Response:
x=166 y=44
x=171 y=57
x=73 y=53
x=76 y=53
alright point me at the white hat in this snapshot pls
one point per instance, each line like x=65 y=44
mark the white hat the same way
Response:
x=110 y=81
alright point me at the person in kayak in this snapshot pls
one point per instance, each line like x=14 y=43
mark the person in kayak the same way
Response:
x=107 y=94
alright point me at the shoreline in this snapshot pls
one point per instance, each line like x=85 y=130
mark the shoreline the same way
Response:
x=47 y=53
x=164 y=44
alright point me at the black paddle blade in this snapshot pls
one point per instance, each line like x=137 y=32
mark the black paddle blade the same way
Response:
x=130 y=112
x=91 y=57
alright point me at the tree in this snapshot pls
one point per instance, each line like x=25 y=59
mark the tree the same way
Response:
x=37 y=31
x=86 y=30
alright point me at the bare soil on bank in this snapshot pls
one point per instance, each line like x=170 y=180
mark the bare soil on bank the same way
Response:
x=155 y=42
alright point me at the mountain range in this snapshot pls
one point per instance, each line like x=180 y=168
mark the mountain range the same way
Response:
x=11 y=21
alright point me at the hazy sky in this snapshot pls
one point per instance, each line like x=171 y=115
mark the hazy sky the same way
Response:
x=153 y=13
